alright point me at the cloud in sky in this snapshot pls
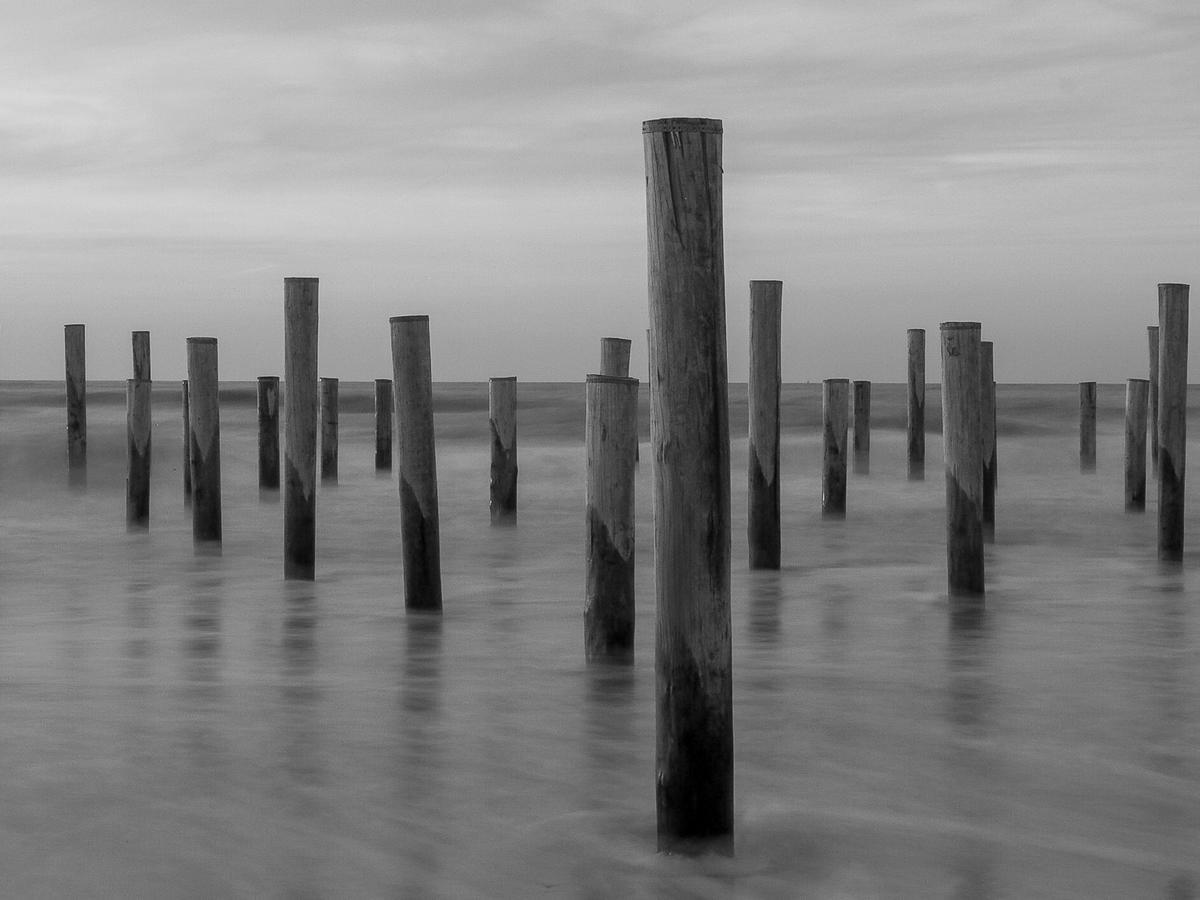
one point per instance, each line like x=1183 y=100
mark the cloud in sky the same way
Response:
x=1031 y=165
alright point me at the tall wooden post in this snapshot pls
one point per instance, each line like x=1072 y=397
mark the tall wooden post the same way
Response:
x=76 y=405
x=329 y=430
x=205 y=427
x=762 y=527
x=1087 y=426
x=383 y=424
x=1152 y=403
x=1172 y=416
x=862 y=428
x=137 y=442
x=835 y=415
x=268 y=432
x=502 y=421
x=141 y=356
x=187 y=445
x=916 y=404
x=300 y=436
x=987 y=421
x=962 y=434
x=614 y=356
x=419 y=530
x=611 y=435
x=1137 y=392
x=690 y=421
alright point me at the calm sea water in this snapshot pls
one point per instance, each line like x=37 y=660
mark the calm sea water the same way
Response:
x=177 y=725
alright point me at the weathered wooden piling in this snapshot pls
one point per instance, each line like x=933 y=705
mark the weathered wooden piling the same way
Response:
x=835 y=416
x=76 y=381
x=300 y=434
x=137 y=443
x=762 y=526
x=862 y=428
x=141 y=356
x=1087 y=426
x=1172 y=417
x=502 y=422
x=690 y=425
x=329 y=430
x=916 y=404
x=614 y=356
x=187 y=445
x=1152 y=402
x=987 y=421
x=383 y=424
x=268 y=432
x=610 y=438
x=205 y=425
x=419 y=530
x=962 y=435
x=1137 y=393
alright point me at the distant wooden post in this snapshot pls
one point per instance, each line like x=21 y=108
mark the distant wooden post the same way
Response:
x=962 y=434
x=614 y=356
x=1137 y=392
x=916 y=404
x=690 y=424
x=862 y=428
x=1172 y=416
x=205 y=426
x=762 y=527
x=987 y=421
x=502 y=421
x=137 y=434
x=611 y=435
x=1152 y=404
x=187 y=446
x=300 y=436
x=1087 y=426
x=383 y=424
x=835 y=414
x=76 y=406
x=329 y=430
x=419 y=531
x=268 y=432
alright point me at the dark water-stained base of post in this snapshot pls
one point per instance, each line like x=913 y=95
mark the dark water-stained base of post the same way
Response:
x=989 y=500
x=1170 y=514
x=1135 y=500
x=504 y=482
x=206 y=496
x=137 y=491
x=300 y=533
x=964 y=542
x=422 y=554
x=763 y=518
x=608 y=618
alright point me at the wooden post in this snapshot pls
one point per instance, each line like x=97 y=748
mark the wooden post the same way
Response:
x=205 y=424
x=916 y=404
x=762 y=527
x=835 y=414
x=187 y=446
x=76 y=406
x=1172 y=416
x=611 y=435
x=137 y=434
x=862 y=428
x=300 y=435
x=1152 y=403
x=1137 y=392
x=329 y=430
x=502 y=420
x=614 y=356
x=962 y=434
x=141 y=356
x=383 y=424
x=419 y=530
x=1087 y=426
x=987 y=421
x=690 y=421
x=268 y=432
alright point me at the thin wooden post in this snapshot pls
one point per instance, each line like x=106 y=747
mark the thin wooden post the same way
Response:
x=762 y=527
x=987 y=421
x=419 y=530
x=611 y=435
x=862 y=428
x=1137 y=393
x=614 y=356
x=962 y=434
x=383 y=424
x=76 y=381
x=1152 y=403
x=916 y=404
x=690 y=421
x=502 y=421
x=835 y=415
x=205 y=424
x=268 y=432
x=1087 y=426
x=187 y=446
x=141 y=356
x=300 y=435
x=329 y=430
x=137 y=443
x=1172 y=416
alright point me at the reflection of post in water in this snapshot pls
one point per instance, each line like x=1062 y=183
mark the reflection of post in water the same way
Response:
x=418 y=777
x=766 y=599
x=300 y=693
x=203 y=690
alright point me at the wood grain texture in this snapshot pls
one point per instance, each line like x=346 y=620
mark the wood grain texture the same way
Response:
x=137 y=443
x=763 y=520
x=1172 y=417
x=141 y=356
x=614 y=356
x=1087 y=426
x=383 y=424
x=329 y=430
x=962 y=435
x=1152 y=400
x=185 y=399
x=300 y=322
x=862 y=428
x=502 y=423
x=915 y=407
x=205 y=423
x=987 y=421
x=76 y=384
x=835 y=422
x=268 y=432
x=1137 y=396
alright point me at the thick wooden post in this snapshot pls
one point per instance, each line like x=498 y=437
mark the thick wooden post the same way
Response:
x=502 y=421
x=205 y=454
x=862 y=428
x=383 y=424
x=987 y=421
x=137 y=434
x=419 y=530
x=1172 y=416
x=1152 y=402
x=611 y=435
x=614 y=356
x=1137 y=393
x=300 y=436
x=187 y=445
x=1087 y=426
x=690 y=421
x=329 y=430
x=141 y=356
x=76 y=405
x=762 y=527
x=268 y=432
x=916 y=404
x=962 y=434
x=835 y=414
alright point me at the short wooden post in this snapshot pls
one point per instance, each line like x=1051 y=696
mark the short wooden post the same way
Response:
x=762 y=527
x=962 y=434
x=1152 y=402
x=987 y=421
x=862 y=428
x=1172 y=416
x=610 y=436
x=76 y=405
x=502 y=421
x=268 y=432
x=690 y=424
x=1087 y=426
x=141 y=356
x=614 y=356
x=383 y=424
x=205 y=424
x=835 y=414
x=419 y=531
x=329 y=430
x=137 y=434
x=300 y=434
x=916 y=404
x=187 y=446
x=1137 y=393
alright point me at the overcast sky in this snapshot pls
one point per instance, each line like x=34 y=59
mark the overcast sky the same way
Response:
x=1032 y=165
